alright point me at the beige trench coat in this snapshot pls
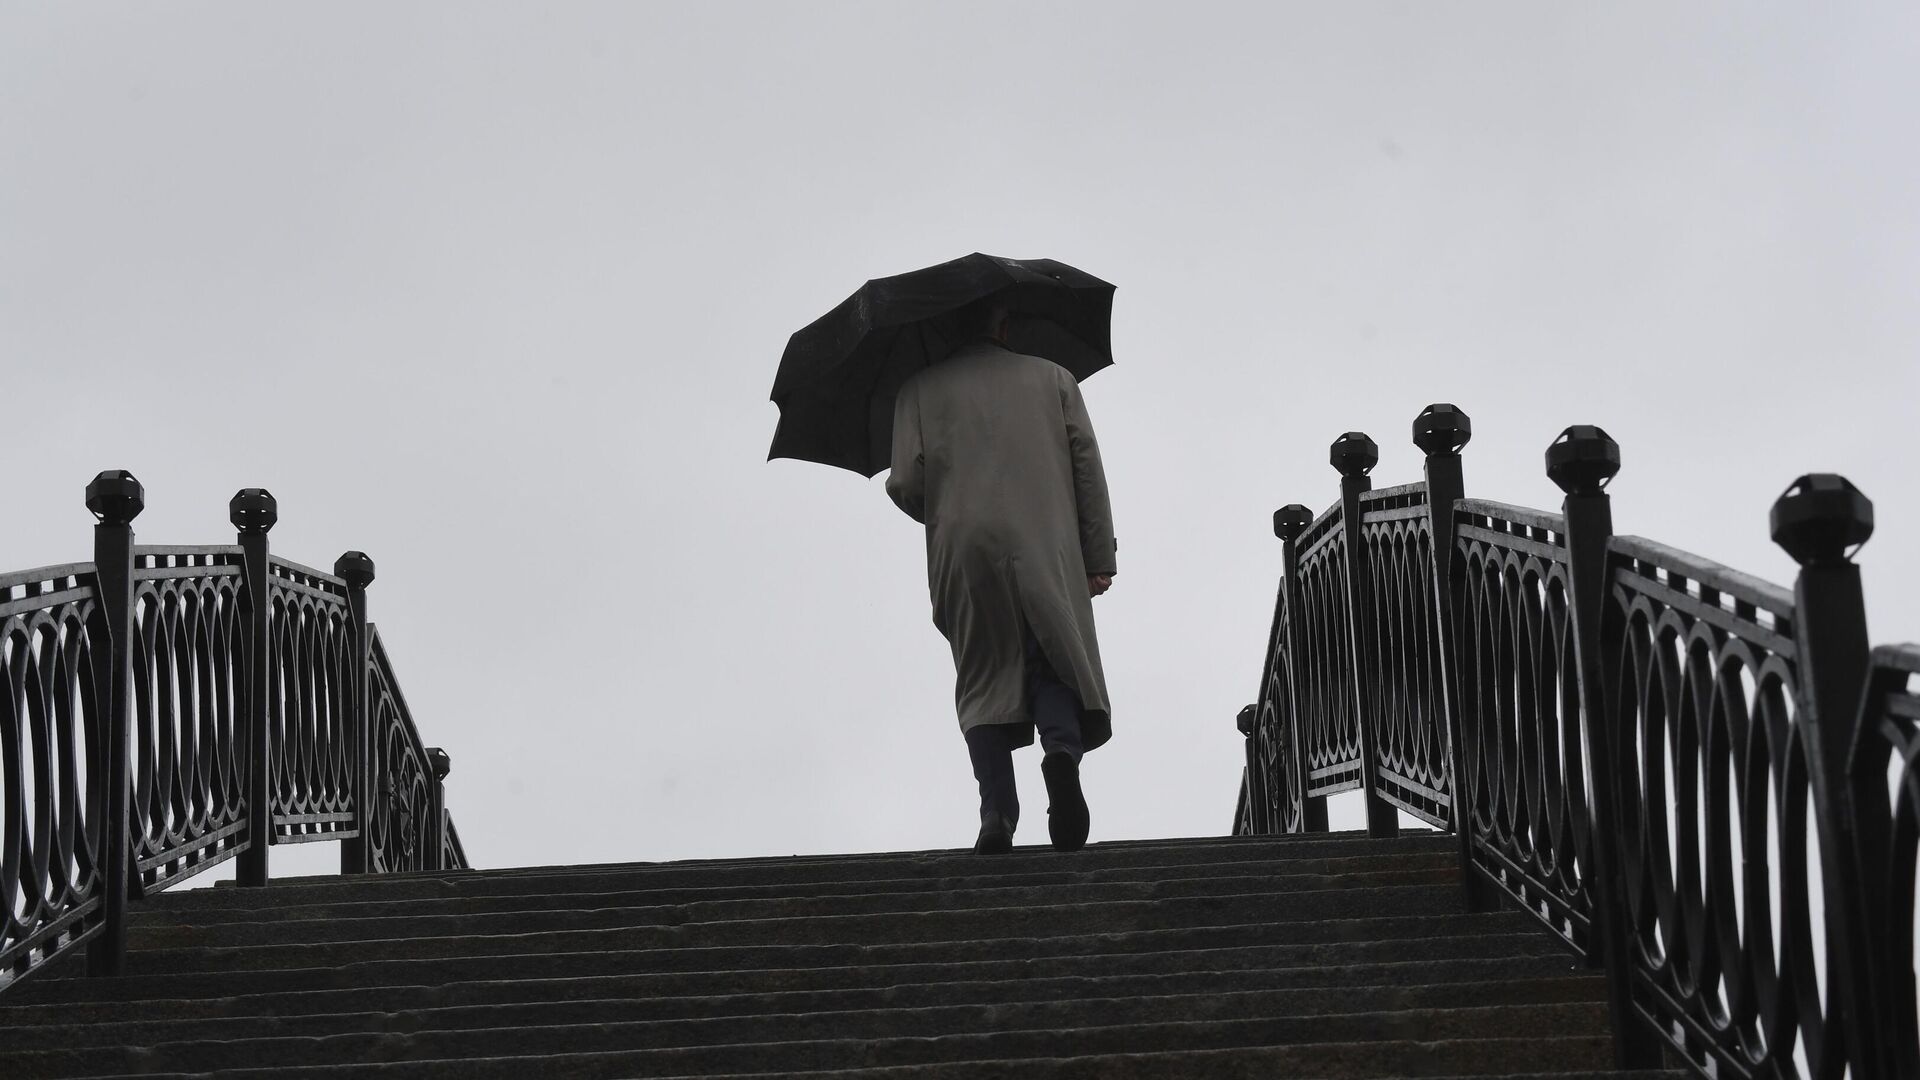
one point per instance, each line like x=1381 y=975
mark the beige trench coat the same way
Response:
x=994 y=453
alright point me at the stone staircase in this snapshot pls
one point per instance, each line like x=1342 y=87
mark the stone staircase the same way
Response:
x=1333 y=956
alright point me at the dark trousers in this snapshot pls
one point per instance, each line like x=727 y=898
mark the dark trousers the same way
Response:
x=1055 y=709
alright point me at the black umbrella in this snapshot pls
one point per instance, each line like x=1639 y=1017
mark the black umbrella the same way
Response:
x=840 y=373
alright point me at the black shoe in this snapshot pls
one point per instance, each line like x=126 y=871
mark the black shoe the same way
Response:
x=1066 y=806
x=996 y=836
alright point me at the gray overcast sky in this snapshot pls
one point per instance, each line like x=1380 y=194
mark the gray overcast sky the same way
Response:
x=496 y=292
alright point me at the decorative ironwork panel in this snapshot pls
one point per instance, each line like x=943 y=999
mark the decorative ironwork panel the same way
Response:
x=1329 y=722
x=1407 y=702
x=310 y=705
x=1243 y=809
x=401 y=780
x=1525 y=751
x=453 y=854
x=1274 y=805
x=189 y=794
x=1719 y=855
x=1889 y=754
x=53 y=661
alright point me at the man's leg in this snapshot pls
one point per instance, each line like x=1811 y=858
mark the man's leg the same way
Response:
x=991 y=748
x=1055 y=709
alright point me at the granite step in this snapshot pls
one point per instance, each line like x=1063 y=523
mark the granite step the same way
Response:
x=817 y=1041
x=1281 y=855
x=862 y=938
x=1053 y=1057
x=1057 y=909
x=1121 y=883
x=705 y=994
x=1223 y=993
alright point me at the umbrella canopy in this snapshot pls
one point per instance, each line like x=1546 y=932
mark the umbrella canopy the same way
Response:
x=840 y=373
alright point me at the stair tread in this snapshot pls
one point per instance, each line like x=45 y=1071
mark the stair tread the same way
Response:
x=890 y=984
x=1215 y=995
x=929 y=937
x=903 y=1036
x=1070 y=910
x=1561 y=1058
x=1319 y=842
x=948 y=862
x=1186 y=880
x=1250 y=1063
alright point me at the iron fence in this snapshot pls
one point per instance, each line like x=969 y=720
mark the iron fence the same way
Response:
x=53 y=653
x=1704 y=784
x=155 y=697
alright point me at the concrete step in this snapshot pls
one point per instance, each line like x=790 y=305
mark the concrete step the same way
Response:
x=1210 y=995
x=1120 y=882
x=1558 y=1058
x=1276 y=853
x=816 y=1041
x=1256 y=1063
x=1066 y=909
x=1142 y=927
x=1277 y=847
x=796 y=990
x=1253 y=1063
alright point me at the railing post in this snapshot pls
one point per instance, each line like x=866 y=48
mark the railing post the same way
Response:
x=356 y=569
x=115 y=498
x=253 y=513
x=436 y=826
x=1582 y=461
x=1821 y=520
x=1254 y=787
x=1354 y=454
x=1441 y=432
x=1288 y=522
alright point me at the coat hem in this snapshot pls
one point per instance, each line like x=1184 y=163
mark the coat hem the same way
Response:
x=1096 y=728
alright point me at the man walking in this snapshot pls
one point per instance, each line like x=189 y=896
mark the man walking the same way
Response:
x=994 y=453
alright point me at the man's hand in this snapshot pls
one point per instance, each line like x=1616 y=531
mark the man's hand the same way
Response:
x=1098 y=583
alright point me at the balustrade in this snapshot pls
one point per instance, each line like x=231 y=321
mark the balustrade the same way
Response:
x=167 y=709
x=1704 y=784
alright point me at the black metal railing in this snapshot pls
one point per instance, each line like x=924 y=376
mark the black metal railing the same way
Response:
x=157 y=695
x=1703 y=783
